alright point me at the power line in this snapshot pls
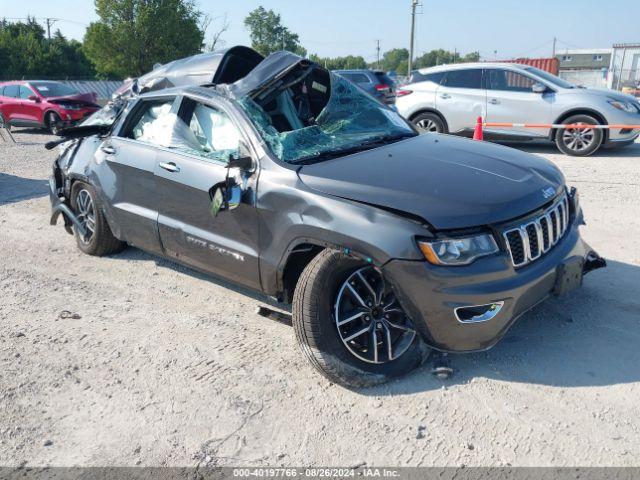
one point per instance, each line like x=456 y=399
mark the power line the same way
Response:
x=45 y=20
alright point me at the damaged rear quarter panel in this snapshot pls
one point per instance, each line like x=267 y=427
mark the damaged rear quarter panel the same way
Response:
x=290 y=214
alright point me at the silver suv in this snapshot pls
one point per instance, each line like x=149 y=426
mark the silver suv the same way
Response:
x=449 y=98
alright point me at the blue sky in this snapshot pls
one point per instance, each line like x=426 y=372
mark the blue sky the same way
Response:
x=341 y=27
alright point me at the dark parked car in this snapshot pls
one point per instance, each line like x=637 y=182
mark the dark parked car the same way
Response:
x=43 y=104
x=374 y=82
x=289 y=180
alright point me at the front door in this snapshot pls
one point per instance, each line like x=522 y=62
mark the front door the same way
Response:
x=30 y=109
x=461 y=98
x=510 y=99
x=128 y=179
x=187 y=173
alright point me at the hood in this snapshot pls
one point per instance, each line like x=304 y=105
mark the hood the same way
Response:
x=85 y=99
x=449 y=182
x=605 y=92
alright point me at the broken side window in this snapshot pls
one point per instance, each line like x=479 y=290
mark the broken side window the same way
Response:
x=349 y=118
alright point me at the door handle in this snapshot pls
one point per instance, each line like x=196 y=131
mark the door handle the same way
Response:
x=445 y=96
x=108 y=149
x=494 y=101
x=169 y=167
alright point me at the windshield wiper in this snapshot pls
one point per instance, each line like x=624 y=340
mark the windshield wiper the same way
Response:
x=329 y=154
x=383 y=139
x=360 y=147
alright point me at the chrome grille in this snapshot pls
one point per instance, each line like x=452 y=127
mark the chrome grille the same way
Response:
x=538 y=235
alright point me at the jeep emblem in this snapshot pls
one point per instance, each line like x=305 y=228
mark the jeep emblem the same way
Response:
x=548 y=192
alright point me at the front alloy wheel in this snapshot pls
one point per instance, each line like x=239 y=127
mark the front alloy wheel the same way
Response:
x=371 y=324
x=349 y=323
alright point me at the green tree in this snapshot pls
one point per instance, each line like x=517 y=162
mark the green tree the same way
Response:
x=268 y=35
x=26 y=53
x=395 y=59
x=340 y=63
x=440 y=57
x=133 y=35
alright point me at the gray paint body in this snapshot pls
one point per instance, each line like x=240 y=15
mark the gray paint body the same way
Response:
x=373 y=204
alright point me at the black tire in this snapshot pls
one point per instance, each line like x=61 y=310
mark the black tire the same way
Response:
x=579 y=143
x=51 y=122
x=429 y=122
x=317 y=333
x=101 y=241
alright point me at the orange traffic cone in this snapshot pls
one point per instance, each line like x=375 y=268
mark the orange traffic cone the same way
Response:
x=477 y=132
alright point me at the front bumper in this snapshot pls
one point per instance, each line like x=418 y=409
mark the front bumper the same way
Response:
x=69 y=118
x=620 y=137
x=59 y=208
x=430 y=294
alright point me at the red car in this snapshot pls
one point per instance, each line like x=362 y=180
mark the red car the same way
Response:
x=43 y=104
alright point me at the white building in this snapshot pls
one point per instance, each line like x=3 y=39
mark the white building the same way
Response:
x=625 y=66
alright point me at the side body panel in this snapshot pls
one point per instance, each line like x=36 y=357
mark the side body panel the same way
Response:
x=226 y=244
x=127 y=181
x=505 y=106
x=30 y=110
x=461 y=106
x=290 y=215
x=423 y=97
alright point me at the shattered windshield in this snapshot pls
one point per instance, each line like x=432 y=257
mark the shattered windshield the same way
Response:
x=322 y=115
x=107 y=115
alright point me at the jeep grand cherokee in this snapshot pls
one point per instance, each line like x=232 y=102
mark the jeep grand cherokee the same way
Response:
x=283 y=177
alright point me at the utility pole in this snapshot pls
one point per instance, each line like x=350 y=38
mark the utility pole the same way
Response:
x=50 y=21
x=553 y=54
x=624 y=54
x=378 y=54
x=414 y=4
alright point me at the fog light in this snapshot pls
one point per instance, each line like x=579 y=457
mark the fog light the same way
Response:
x=478 y=313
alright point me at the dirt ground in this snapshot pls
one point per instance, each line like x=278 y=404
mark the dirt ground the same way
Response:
x=134 y=360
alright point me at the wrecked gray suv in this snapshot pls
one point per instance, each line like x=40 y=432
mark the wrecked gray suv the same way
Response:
x=285 y=178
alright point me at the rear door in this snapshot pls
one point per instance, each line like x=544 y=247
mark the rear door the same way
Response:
x=187 y=175
x=511 y=100
x=462 y=98
x=129 y=182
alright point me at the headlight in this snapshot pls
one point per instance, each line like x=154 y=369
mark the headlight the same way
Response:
x=458 y=251
x=624 y=106
x=69 y=107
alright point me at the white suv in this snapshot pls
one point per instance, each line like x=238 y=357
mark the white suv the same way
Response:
x=449 y=98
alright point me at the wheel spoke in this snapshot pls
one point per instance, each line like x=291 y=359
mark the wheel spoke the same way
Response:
x=399 y=327
x=356 y=295
x=367 y=285
x=374 y=341
x=388 y=341
x=350 y=319
x=357 y=334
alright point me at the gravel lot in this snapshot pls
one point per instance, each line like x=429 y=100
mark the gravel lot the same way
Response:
x=133 y=360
